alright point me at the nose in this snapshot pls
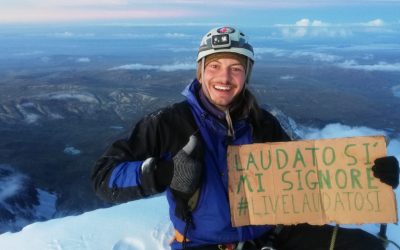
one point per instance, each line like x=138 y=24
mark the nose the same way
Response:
x=224 y=75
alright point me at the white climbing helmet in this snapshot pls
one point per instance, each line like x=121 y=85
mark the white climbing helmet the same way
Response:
x=225 y=39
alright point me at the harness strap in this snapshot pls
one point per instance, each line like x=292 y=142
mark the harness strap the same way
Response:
x=188 y=222
x=231 y=131
x=333 y=239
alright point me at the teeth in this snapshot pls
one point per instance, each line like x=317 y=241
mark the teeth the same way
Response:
x=225 y=88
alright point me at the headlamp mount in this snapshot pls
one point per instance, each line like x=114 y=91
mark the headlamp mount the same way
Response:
x=220 y=41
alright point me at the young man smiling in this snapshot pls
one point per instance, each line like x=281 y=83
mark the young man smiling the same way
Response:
x=183 y=149
x=223 y=80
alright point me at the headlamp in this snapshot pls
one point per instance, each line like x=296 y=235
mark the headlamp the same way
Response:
x=220 y=41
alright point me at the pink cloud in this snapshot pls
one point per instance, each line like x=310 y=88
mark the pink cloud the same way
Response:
x=56 y=15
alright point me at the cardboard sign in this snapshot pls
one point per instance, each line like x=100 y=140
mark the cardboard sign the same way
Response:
x=312 y=181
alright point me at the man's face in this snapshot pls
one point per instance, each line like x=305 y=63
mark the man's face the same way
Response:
x=223 y=80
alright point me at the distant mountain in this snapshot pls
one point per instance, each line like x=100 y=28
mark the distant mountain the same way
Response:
x=288 y=124
x=63 y=104
x=20 y=202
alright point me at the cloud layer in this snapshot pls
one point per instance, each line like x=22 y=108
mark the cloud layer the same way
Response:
x=166 y=67
x=337 y=130
x=317 y=28
x=381 y=66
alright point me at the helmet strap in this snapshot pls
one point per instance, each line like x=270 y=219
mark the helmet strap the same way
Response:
x=203 y=61
x=247 y=71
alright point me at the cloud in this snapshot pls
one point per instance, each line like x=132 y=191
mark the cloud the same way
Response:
x=29 y=53
x=51 y=14
x=68 y=34
x=394 y=148
x=64 y=34
x=276 y=52
x=315 y=56
x=155 y=35
x=104 y=10
x=167 y=68
x=176 y=35
x=294 y=32
x=305 y=22
x=312 y=28
x=278 y=4
x=287 y=77
x=318 y=23
x=375 y=23
x=381 y=66
x=308 y=28
x=10 y=182
x=165 y=24
x=83 y=60
x=337 y=130
x=85 y=3
x=181 y=49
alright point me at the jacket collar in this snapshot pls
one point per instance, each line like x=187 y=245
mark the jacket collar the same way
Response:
x=190 y=92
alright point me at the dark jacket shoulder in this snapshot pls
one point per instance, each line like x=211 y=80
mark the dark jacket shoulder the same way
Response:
x=266 y=127
x=165 y=130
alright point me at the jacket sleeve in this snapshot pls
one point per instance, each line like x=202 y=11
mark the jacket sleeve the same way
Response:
x=126 y=171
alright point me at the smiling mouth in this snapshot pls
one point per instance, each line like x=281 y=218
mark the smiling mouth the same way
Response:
x=222 y=87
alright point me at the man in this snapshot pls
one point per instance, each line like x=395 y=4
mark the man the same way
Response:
x=182 y=149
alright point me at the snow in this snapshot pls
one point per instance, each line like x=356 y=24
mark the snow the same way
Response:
x=47 y=205
x=69 y=150
x=11 y=185
x=82 y=97
x=29 y=118
x=134 y=225
x=20 y=203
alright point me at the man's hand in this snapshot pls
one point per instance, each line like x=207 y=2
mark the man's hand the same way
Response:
x=386 y=169
x=188 y=167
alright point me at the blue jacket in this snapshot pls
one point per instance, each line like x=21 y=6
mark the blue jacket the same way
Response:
x=118 y=175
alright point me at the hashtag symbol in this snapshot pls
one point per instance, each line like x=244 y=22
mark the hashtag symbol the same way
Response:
x=242 y=206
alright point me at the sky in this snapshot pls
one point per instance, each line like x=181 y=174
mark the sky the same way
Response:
x=137 y=225
x=258 y=12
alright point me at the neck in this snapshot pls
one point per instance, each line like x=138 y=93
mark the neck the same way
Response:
x=213 y=109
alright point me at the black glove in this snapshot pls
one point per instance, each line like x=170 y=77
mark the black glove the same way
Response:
x=187 y=167
x=183 y=172
x=386 y=169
